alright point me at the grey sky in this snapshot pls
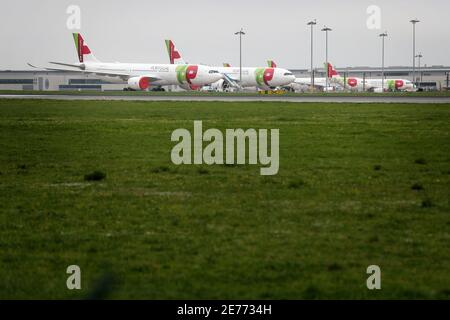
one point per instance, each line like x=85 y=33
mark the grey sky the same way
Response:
x=203 y=31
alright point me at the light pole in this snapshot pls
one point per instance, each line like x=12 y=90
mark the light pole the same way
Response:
x=420 y=56
x=312 y=24
x=383 y=35
x=240 y=33
x=414 y=21
x=326 y=30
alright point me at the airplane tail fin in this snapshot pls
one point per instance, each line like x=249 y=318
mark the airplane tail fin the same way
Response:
x=83 y=51
x=331 y=72
x=174 y=55
x=226 y=65
x=271 y=64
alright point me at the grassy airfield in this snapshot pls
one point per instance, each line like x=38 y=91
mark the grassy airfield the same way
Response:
x=358 y=185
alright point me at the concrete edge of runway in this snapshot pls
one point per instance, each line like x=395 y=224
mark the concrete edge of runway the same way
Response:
x=294 y=99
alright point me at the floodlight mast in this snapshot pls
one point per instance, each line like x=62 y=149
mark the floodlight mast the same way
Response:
x=312 y=23
x=240 y=33
x=326 y=30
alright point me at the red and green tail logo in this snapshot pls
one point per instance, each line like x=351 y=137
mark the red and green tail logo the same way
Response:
x=271 y=64
x=352 y=82
x=82 y=49
x=187 y=73
x=263 y=76
x=394 y=84
x=330 y=70
x=173 y=54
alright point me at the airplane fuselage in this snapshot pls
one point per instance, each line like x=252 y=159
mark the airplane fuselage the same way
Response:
x=263 y=78
x=359 y=84
x=190 y=75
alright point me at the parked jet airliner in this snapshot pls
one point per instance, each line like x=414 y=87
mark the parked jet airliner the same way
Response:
x=141 y=76
x=262 y=78
x=374 y=85
x=320 y=82
x=358 y=84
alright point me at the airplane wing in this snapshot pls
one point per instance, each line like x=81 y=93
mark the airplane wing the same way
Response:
x=318 y=82
x=303 y=81
x=81 y=66
x=121 y=75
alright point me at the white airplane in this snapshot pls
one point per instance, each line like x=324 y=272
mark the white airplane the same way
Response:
x=320 y=82
x=374 y=85
x=140 y=76
x=262 y=78
x=357 y=84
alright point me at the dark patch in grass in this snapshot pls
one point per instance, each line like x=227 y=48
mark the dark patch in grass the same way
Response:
x=445 y=292
x=161 y=169
x=374 y=239
x=412 y=294
x=265 y=295
x=311 y=292
x=420 y=161
x=203 y=171
x=102 y=287
x=175 y=221
x=269 y=180
x=417 y=187
x=97 y=175
x=427 y=203
x=150 y=185
x=334 y=267
x=296 y=184
x=377 y=167
x=54 y=215
x=284 y=119
x=22 y=169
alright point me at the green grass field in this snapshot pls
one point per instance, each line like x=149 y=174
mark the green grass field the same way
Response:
x=358 y=185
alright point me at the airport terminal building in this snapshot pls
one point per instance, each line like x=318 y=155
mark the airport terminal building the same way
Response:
x=58 y=81
x=428 y=78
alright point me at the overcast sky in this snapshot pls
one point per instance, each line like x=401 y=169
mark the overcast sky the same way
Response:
x=203 y=31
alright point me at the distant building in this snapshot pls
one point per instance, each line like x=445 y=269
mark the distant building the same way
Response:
x=57 y=81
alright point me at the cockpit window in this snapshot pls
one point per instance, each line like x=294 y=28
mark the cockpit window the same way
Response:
x=213 y=71
x=288 y=74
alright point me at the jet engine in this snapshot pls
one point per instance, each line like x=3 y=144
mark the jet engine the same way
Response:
x=138 y=83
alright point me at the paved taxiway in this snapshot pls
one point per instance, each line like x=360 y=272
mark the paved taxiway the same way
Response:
x=347 y=99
